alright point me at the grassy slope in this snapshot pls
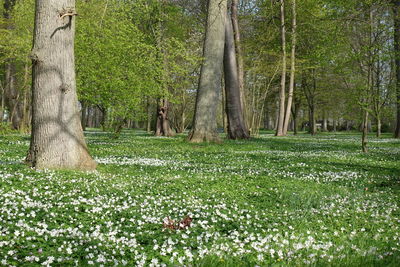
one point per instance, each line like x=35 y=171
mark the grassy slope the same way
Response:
x=268 y=201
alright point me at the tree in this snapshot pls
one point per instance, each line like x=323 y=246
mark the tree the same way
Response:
x=11 y=93
x=236 y=125
x=205 y=118
x=396 y=15
x=57 y=139
x=292 y=71
x=282 y=98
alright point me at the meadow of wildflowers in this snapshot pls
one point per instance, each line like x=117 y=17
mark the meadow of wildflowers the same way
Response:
x=270 y=201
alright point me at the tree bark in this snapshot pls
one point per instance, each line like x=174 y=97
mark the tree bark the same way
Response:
x=364 y=140
x=236 y=126
x=83 y=115
x=396 y=12
x=57 y=140
x=239 y=55
x=378 y=127
x=205 y=118
x=292 y=70
x=163 y=126
x=282 y=97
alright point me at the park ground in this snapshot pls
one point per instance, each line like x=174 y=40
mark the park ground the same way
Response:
x=269 y=201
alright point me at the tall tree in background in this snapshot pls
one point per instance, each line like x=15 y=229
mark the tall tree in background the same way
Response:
x=292 y=70
x=236 y=125
x=282 y=98
x=11 y=94
x=205 y=118
x=396 y=14
x=57 y=139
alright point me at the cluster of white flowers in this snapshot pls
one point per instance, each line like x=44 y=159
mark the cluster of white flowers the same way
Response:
x=244 y=205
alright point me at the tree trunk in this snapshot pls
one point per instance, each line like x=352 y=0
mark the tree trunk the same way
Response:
x=334 y=125
x=163 y=127
x=292 y=70
x=396 y=11
x=325 y=124
x=148 y=119
x=378 y=127
x=282 y=97
x=11 y=93
x=312 y=124
x=239 y=55
x=236 y=126
x=57 y=140
x=364 y=140
x=205 y=117
x=83 y=115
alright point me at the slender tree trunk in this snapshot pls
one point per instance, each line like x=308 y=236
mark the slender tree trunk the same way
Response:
x=26 y=101
x=83 y=115
x=148 y=119
x=378 y=126
x=2 y=104
x=325 y=124
x=396 y=11
x=57 y=140
x=292 y=70
x=236 y=125
x=239 y=55
x=364 y=140
x=282 y=97
x=334 y=122
x=205 y=118
x=11 y=93
x=313 y=126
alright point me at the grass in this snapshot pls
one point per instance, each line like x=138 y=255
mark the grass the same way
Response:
x=268 y=202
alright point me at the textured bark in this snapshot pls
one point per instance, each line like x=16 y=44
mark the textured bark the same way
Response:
x=282 y=97
x=236 y=126
x=205 y=118
x=57 y=140
x=163 y=126
x=292 y=70
x=239 y=55
x=396 y=11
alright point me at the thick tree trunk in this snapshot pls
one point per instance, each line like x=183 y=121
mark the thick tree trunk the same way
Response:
x=57 y=140
x=163 y=126
x=205 y=118
x=236 y=126
x=292 y=70
x=239 y=55
x=396 y=11
x=282 y=97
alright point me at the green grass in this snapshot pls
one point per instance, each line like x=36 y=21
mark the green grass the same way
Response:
x=268 y=201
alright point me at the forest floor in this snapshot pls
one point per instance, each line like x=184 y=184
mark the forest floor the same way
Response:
x=297 y=200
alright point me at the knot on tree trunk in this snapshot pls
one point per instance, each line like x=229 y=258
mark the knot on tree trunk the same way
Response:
x=67 y=12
